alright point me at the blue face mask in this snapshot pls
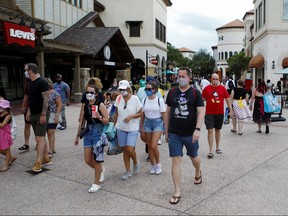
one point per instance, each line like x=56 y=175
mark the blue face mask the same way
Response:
x=149 y=93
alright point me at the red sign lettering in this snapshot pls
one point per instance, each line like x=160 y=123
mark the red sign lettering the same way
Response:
x=21 y=35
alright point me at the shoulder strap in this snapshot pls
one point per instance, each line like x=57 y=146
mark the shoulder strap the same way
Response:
x=144 y=101
x=194 y=92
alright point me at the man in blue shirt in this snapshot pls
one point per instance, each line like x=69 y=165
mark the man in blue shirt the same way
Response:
x=64 y=90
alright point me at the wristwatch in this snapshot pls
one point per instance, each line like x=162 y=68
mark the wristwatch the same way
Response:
x=197 y=128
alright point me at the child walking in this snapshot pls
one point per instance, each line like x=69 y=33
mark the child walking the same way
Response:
x=5 y=134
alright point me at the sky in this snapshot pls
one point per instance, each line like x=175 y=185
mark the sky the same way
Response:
x=192 y=23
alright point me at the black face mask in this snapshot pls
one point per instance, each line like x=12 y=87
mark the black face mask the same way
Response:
x=58 y=81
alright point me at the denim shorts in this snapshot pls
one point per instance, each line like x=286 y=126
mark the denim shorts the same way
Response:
x=176 y=143
x=153 y=125
x=127 y=138
x=93 y=135
x=214 y=121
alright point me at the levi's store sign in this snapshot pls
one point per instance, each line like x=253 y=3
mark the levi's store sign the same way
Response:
x=19 y=34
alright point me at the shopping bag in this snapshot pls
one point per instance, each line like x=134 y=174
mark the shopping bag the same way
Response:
x=110 y=130
x=113 y=147
x=271 y=103
x=226 y=116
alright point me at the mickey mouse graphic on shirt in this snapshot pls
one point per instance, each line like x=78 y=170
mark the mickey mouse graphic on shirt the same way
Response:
x=182 y=109
x=216 y=97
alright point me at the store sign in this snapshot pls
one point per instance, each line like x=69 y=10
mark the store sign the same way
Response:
x=21 y=35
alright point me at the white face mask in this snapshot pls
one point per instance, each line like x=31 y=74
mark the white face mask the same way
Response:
x=90 y=96
x=183 y=81
x=124 y=93
x=26 y=74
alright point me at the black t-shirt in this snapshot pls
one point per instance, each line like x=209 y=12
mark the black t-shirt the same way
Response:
x=88 y=114
x=239 y=92
x=35 y=99
x=183 y=116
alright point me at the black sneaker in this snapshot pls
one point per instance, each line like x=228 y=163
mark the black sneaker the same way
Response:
x=267 y=129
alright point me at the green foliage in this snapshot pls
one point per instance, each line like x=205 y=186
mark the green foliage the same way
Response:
x=238 y=64
x=203 y=63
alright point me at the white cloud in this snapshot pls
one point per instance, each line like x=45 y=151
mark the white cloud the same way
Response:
x=193 y=23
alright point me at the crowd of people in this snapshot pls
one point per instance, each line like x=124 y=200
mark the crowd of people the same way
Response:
x=135 y=113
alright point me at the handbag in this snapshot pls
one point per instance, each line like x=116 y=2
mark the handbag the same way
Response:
x=113 y=147
x=110 y=130
x=240 y=103
x=52 y=118
x=271 y=103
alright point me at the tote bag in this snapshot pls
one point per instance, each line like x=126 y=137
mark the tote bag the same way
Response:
x=109 y=130
x=271 y=103
x=52 y=118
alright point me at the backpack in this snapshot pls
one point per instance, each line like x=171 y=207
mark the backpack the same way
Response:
x=13 y=128
x=230 y=84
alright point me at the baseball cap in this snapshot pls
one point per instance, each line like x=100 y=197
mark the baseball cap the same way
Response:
x=150 y=79
x=124 y=84
x=4 y=104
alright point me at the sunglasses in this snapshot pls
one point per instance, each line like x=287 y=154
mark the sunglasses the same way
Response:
x=148 y=89
x=125 y=106
x=90 y=92
x=122 y=90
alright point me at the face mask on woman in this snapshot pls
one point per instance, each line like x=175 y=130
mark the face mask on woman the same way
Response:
x=183 y=81
x=124 y=93
x=90 y=96
x=149 y=93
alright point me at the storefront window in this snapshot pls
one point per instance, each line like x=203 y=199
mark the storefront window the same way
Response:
x=285 y=9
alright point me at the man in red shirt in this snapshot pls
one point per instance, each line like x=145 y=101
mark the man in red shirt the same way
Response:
x=214 y=94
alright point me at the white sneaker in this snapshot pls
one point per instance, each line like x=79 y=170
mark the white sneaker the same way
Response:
x=126 y=175
x=102 y=176
x=152 y=169
x=158 y=169
x=136 y=168
x=94 y=188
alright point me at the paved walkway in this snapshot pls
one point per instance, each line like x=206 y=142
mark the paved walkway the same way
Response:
x=250 y=177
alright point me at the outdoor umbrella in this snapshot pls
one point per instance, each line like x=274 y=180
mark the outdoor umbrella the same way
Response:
x=283 y=71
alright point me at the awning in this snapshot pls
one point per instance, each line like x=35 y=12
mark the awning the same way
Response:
x=283 y=71
x=256 y=61
x=285 y=62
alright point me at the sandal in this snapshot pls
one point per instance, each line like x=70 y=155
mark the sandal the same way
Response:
x=4 y=169
x=218 y=151
x=12 y=160
x=197 y=179
x=24 y=147
x=240 y=133
x=258 y=131
x=176 y=199
x=234 y=131
x=210 y=155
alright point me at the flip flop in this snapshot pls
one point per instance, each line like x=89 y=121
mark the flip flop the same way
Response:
x=176 y=199
x=210 y=155
x=13 y=159
x=218 y=151
x=197 y=179
x=259 y=131
x=3 y=169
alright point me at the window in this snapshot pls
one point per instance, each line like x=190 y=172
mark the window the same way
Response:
x=134 y=30
x=160 y=31
x=285 y=9
x=260 y=15
x=230 y=54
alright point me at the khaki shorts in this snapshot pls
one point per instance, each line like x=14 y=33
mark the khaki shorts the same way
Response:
x=39 y=129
